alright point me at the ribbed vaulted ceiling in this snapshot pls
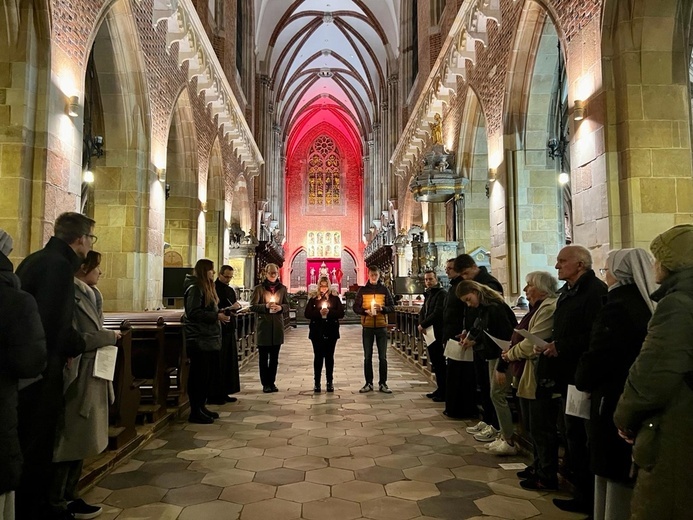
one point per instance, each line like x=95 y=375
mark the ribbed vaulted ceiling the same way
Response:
x=326 y=60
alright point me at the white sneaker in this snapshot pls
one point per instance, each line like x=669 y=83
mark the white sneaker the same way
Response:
x=495 y=443
x=488 y=434
x=503 y=448
x=476 y=429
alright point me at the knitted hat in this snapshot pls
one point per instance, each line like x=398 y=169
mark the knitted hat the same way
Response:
x=5 y=242
x=674 y=248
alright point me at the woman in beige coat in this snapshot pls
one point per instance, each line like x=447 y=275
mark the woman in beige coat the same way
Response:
x=539 y=409
x=85 y=432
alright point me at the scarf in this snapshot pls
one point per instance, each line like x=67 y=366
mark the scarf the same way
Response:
x=633 y=266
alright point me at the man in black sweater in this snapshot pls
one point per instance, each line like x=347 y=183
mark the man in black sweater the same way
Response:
x=431 y=315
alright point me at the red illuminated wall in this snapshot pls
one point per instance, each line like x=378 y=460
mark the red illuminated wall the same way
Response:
x=298 y=222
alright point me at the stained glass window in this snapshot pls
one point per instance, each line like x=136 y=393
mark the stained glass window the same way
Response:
x=323 y=172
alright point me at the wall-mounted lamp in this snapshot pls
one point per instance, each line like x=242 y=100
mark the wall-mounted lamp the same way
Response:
x=578 y=110
x=563 y=178
x=73 y=106
x=492 y=174
x=88 y=176
x=161 y=174
x=203 y=207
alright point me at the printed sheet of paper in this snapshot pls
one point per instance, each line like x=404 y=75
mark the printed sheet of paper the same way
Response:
x=105 y=362
x=428 y=335
x=535 y=340
x=513 y=465
x=503 y=344
x=577 y=403
x=455 y=351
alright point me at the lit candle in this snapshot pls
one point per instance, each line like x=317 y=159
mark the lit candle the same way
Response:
x=272 y=299
x=324 y=306
x=373 y=306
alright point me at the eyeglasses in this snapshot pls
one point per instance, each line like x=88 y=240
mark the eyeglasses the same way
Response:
x=272 y=273
x=603 y=271
x=93 y=238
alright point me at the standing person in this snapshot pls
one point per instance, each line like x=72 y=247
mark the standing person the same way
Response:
x=22 y=356
x=48 y=275
x=87 y=397
x=468 y=270
x=493 y=317
x=617 y=336
x=577 y=307
x=227 y=379
x=539 y=410
x=269 y=301
x=373 y=303
x=324 y=310
x=460 y=383
x=654 y=410
x=202 y=337
x=431 y=315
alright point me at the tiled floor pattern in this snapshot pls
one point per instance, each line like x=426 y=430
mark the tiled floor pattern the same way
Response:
x=339 y=456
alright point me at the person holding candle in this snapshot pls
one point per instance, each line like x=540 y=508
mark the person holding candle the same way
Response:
x=269 y=301
x=373 y=303
x=324 y=310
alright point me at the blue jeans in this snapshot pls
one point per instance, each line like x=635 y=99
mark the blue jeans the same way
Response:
x=380 y=336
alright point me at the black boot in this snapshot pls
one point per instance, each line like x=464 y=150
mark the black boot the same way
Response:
x=330 y=388
x=316 y=388
x=210 y=413
x=197 y=416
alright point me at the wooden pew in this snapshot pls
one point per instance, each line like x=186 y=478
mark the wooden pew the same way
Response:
x=148 y=361
x=122 y=414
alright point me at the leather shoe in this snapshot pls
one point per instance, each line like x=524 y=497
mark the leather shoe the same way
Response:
x=317 y=389
x=200 y=418
x=572 y=505
x=230 y=399
x=267 y=389
x=432 y=394
x=438 y=399
x=274 y=388
x=330 y=388
x=213 y=415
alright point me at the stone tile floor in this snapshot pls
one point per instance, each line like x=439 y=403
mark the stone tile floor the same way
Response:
x=339 y=456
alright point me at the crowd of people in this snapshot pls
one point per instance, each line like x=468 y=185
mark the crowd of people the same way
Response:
x=621 y=346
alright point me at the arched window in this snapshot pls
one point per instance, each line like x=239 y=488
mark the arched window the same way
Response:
x=323 y=173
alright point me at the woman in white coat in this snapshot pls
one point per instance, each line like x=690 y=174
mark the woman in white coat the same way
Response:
x=85 y=432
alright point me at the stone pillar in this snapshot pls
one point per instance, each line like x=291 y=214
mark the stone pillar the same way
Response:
x=458 y=233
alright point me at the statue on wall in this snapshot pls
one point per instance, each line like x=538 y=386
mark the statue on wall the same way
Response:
x=436 y=130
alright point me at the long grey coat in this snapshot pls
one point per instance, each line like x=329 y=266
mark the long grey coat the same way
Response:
x=85 y=432
x=657 y=405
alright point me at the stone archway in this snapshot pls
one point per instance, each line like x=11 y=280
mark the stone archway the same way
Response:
x=535 y=198
x=121 y=191
x=216 y=221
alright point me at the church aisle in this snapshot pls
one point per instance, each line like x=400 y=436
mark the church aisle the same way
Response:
x=340 y=456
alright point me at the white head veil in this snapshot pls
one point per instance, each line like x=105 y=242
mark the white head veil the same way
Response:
x=633 y=266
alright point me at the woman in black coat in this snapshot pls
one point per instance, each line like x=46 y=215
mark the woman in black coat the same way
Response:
x=202 y=338
x=617 y=336
x=324 y=310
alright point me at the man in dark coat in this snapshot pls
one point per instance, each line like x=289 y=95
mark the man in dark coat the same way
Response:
x=22 y=356
x=460 y=383
x=227 y=378
x=579 y=302
x=431 y=315
x=48 y=275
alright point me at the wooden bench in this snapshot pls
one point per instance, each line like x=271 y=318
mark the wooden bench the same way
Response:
x=148 y=360
x=122 y=414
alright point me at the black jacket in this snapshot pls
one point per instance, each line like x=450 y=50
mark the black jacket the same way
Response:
x=484 y=278
x=433 y=309
x=453 y=312
x=227 y=297
x=324 y=328
x=22 y=355
x=499 y=321
x=576 y=310
x=617 y=336
x=48 y=275
x=201 y=321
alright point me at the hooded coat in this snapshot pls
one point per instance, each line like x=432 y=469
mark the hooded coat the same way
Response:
x=656 y=405
x=22 y=355
x=201 y=320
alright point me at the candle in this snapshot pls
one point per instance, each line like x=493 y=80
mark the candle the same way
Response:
x=373 y=306
x=324 y=306
x=272 y=299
